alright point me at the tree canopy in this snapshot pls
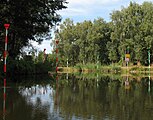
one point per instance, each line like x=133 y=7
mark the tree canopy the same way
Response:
x=84 y=42
x=129 y=31
x=132 y=28
x=29 y=20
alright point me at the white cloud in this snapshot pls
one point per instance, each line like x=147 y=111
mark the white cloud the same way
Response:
x=73 y=12
x=90 y=2
x=86 y=7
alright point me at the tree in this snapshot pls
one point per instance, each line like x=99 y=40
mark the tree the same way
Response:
x=29 y=20
x=84 y=42
x=101 y=36
x=41 y=56
x=132 y=29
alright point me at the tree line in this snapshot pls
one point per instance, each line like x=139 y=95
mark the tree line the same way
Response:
x=29 y=21
x=129 y=31
x=100 y=42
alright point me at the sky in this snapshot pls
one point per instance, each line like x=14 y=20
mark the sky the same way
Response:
x=80 y=10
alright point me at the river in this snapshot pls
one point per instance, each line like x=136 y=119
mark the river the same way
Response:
x=77 y=97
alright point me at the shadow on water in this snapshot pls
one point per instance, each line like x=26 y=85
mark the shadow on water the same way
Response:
x=77 y=97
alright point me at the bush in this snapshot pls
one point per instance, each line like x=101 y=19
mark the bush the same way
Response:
x=27 y=67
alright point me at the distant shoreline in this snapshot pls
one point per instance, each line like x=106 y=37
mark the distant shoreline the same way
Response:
x=108 y=69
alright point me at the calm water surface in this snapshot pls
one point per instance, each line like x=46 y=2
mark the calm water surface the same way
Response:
x=70 y=97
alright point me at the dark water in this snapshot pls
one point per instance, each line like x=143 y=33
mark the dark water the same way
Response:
x=77 y=98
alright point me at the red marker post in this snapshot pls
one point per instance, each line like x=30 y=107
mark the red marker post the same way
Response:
x=5 y=56
x=6 y=41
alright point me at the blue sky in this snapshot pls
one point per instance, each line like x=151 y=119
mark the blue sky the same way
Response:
x=80 y=10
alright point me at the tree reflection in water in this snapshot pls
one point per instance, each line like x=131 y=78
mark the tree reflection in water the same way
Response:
x=109 y=99
x=80 y=97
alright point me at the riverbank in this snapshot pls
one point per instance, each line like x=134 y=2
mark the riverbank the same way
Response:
x=109 y=69
x=117 y=72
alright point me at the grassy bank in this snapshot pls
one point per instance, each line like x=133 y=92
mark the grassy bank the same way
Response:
x=92 y=68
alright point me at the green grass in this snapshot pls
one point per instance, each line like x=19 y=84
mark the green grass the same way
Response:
x=90 y=67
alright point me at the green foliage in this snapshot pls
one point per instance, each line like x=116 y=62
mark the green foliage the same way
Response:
x=40 y=57
x=141 y=69
x=29 y=20
x=41 y=68
x=29 y=66
x=131 y=28
x=116 y=68
x=89 y=66
x=20 y=67
x=84 y=42
x=129 y=31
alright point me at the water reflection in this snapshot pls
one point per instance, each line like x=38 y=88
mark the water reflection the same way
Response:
x=105 y=99
x=56 y=92
x=79 y=97
x=127 y=83
x=4 y=99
